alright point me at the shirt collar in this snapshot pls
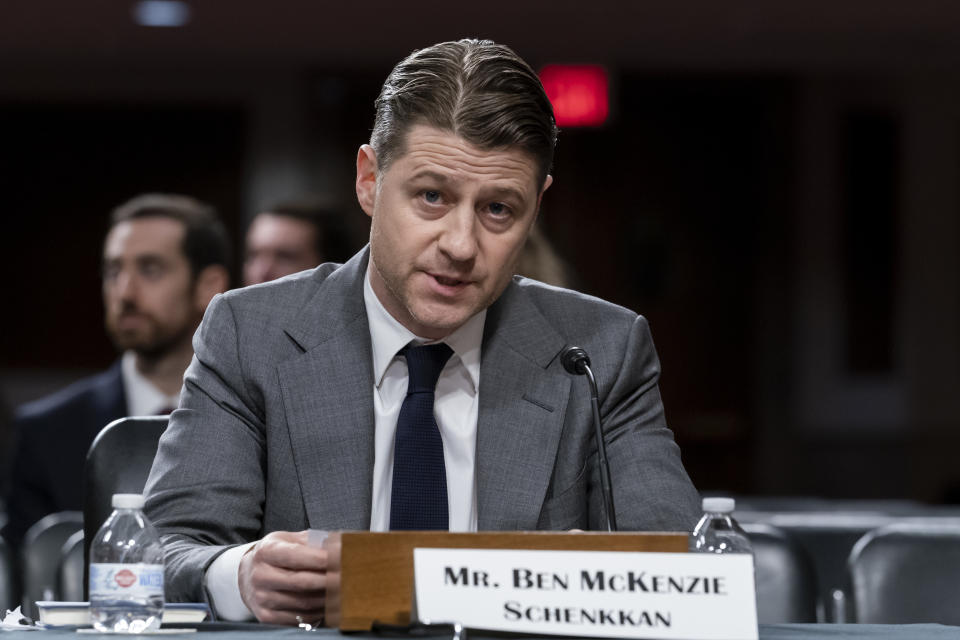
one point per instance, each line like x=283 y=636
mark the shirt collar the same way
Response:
x=143 y=397
x=388 y=336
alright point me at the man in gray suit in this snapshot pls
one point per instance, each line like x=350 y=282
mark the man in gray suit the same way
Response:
x=297 y=412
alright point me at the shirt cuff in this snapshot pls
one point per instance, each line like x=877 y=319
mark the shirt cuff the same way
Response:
x=223 y=587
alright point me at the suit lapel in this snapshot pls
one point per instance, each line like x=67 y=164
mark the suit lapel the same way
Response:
x=330 y=418
x=328 y=403
x=521 y=413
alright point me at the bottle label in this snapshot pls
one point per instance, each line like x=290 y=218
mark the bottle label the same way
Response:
x=108 y=580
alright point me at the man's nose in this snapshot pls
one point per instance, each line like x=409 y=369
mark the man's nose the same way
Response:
x=125 y=285
x=458 y=240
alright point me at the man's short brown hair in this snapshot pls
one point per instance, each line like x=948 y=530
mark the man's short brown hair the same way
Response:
x=331 y=238
x=205 y=240
x=476 y=89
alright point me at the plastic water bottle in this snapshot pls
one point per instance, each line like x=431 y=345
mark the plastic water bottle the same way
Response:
x=717 y=531
x=126 y=570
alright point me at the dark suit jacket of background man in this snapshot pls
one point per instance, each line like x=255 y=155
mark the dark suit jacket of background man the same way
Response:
x=52 y=436
x=276 y=425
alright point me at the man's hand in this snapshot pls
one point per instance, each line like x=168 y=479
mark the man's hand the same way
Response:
x=282 y=578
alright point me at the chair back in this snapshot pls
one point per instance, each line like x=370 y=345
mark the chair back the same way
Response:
x=786 y=580
x=828 y=529
x=70 y=571
x=906 y=573
x=119 y=461
x=7 y=584
x=40 y=556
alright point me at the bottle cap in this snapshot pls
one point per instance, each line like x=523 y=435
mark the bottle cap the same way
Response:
x=719 y=505
x=127 y=501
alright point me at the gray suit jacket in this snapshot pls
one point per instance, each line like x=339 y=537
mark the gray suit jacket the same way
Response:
x=276 y=425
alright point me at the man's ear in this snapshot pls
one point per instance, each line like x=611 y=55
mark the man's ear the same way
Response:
x=546 y=185
x=367 y=178
x=211 y=280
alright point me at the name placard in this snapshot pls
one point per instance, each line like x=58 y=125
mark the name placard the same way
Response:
x=687 y=596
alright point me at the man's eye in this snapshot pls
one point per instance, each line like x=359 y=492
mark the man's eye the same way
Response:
x=499 y=209
x=151 y=270
x=433 y=197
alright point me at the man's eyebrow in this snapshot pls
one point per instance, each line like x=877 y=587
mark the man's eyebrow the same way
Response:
x=492 y=191
x=434 y=175
x=150 y=259
x=506 y=192
x=445 y=179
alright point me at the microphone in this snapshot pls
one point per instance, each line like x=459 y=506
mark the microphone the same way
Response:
x=576 y=361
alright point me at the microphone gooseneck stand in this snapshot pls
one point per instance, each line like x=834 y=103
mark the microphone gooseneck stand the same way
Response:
x=576 y=361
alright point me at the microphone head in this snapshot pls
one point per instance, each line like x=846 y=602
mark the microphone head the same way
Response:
x=575 y=360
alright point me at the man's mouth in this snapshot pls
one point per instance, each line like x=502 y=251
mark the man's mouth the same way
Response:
x=447 y=281
x=127 y=318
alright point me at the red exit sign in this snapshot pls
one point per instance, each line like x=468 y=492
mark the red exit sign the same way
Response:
x=580 y=94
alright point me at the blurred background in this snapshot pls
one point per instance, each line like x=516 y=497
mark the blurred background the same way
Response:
x=775 y=187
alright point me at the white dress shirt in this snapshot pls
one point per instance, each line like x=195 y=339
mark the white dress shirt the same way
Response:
x=143 y=398
x=455 y=408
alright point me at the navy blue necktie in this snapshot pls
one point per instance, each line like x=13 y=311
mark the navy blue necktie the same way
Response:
x=419 y=497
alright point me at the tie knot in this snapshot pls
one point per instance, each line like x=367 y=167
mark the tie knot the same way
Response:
x=424 y=365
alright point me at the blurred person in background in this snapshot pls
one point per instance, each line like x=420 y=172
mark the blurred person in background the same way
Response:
x=164 y=258
x=540 y=261
x=293 y=237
